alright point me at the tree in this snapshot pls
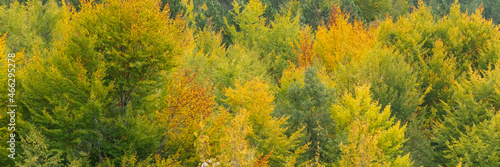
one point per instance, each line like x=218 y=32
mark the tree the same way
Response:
x=36 y=152
x=315 y=13
x=341 y=42
x=31 y=25
x=372 y=10
x=236 y=150
x=478 y=146
x=271 y=41
x=373 y=139
x=70 y=119
x=442 y=7
x=305 y=97
x=268 y=133
x=393 y=81
x=304 y=51
x=443 y=49
x=186 y=104
x=474 y=101
x=137 y=40
x=110 y=58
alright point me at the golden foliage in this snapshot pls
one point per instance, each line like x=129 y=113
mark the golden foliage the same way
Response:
x=187 y=102
x=304 y=51
x=235 y=148
x=342 y=42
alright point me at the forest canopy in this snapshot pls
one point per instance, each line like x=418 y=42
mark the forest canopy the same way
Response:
x=250 y=83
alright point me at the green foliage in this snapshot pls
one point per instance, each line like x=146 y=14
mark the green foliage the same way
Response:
x=137 y=40
x=442 y=7
x=106 y=58
x=36 y=152
x=371 y=10
x=479 y=146
x=474 y=101
x=315 y=12
x=30 y=26
x=393 y=81
x=273 y=41
x=70 y=119
x=444 y=49
x=418 y=143
x=220 y=66
x=307 y=103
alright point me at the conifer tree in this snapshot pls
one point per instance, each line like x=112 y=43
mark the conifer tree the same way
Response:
x=307 y=100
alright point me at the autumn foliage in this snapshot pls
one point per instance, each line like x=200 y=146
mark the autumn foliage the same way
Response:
x=251 y=83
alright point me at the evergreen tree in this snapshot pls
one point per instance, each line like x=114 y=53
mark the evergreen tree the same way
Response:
x=307 y=101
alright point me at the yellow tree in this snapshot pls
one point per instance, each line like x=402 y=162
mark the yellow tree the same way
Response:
x=268 y=133
x=235 y=148
x=186 y=104
x=341 y=41
x=373 y=139
x=304 y=51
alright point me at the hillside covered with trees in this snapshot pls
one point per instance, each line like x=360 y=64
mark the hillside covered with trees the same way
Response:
x=250 y=83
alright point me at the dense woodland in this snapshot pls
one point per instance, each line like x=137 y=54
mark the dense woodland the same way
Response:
x=252 y=83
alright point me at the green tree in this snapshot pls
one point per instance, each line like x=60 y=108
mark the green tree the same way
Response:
x=474 y=101
x=478 y=146
x=393 y=81
x=31 y=26
x=371 y=10
x=138 y=46
x=69 y=118
x=272 y=42
x=36 y=152
x=111 y=58
x=307 y=101
x=444 y=49
x=441 y=8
